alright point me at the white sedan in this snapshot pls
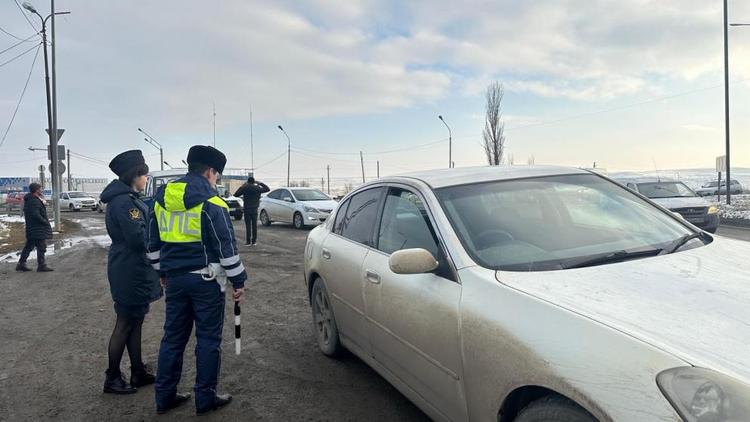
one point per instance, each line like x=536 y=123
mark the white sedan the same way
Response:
x=533 y=294
x=298 y=206
x=76 y=201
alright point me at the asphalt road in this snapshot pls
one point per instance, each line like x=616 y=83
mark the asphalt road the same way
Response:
x=739 y=233
x=55 y=327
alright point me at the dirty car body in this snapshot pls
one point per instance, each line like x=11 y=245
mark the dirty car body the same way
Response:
x=652 y=332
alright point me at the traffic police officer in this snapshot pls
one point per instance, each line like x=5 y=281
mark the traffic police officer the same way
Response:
x=133 y=283
x=191 y=242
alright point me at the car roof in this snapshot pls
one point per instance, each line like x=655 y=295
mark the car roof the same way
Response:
x=464 y=175
x=171 y=172
x=646 y=180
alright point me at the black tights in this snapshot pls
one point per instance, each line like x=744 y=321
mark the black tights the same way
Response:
x=127 y=333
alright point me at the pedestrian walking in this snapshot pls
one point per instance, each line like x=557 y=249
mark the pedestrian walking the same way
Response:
x=191 y=242
x=250 y=193
x=132 y=281
x=38 y=229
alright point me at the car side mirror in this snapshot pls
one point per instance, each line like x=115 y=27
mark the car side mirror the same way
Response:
x=412 y=261
x=288 y=199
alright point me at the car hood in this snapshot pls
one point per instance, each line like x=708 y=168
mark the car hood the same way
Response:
x=320 y=205
x=693 y=304
x=686 y=202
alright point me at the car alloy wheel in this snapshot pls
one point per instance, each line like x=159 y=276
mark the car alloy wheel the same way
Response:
x=326 y=330
x=298 y=221
x=264 y=218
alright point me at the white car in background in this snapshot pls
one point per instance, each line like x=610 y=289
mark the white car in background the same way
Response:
x=76 y=201
x=298 y=206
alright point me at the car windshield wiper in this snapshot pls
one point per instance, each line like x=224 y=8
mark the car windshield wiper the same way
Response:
x=680 y=242
x=612 y=257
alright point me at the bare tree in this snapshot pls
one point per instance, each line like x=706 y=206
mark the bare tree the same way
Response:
x=494 y=128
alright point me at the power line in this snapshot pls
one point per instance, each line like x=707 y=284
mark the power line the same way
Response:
x=86 y=157
x=271 y=161
x=25 y=16
x=13 y=36
x=17 y=44
x=390 y=151
x=20 y=55
x=23 y=92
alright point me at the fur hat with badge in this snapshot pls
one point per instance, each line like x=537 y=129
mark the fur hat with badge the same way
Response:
x=208 y=156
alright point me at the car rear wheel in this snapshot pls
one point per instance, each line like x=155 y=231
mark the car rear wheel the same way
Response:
x=264 y=218
x=554 y=409
x=299 y=222
x=326 y=330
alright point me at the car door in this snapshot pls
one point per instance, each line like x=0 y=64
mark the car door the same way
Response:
x=64 y=202
x=269 y=203
x=287 y=206
x=344 y=251
x=413 y=319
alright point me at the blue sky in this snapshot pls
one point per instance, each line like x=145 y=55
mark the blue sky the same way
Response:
x=628 y=84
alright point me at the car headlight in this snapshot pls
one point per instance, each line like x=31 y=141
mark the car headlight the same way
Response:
x=713 y=209
x=311 y=209
x=703 y=395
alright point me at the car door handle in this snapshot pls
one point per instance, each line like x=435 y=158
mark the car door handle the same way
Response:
x=326 y=253
x=372 y=276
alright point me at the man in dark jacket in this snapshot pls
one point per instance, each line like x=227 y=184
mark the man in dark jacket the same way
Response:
x=38 y=229
x=250 y=193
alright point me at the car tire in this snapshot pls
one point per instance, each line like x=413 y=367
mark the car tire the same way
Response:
x=324 y=322
x=71 y=208
x=554 y=408
x=238 y=217
x=264 y=220
x=299 y=221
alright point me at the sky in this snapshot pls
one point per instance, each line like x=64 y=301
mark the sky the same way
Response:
x=628 y=84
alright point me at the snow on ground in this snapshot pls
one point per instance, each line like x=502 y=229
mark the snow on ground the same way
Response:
x=739 y=210
x=11 y=219
x=102 y=241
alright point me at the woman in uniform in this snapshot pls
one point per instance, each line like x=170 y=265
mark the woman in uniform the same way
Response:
x=134 y=284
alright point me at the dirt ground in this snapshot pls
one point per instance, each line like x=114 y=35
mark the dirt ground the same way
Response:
x=54 y=329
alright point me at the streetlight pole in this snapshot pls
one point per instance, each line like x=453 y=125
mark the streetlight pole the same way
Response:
x=51 y=123
x=726 y=98
x=288 y=156
x=150 y=139
x=450 y=142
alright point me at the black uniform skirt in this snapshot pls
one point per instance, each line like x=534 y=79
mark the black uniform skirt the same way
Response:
x=131 y=311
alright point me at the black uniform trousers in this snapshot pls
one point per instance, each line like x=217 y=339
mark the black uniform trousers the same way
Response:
x=41 y=248
x=251 y=225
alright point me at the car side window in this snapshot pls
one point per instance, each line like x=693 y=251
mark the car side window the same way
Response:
x=360 y=217
x=275 y=194
x=284 y=193
x=340 y=213
x=405 y=224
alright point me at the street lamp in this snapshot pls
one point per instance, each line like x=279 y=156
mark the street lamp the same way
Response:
x=450 y=142
x=51 y=123
x=167 y=165
x=288 y=155
x=150 y=139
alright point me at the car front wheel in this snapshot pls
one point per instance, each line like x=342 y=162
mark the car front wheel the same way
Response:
x=326 y=330
x=299 y=222
x=264 y=218
x=554 y=408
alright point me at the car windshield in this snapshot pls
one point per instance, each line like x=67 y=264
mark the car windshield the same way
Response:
x=557 y=222
x=711 y=185
x=78 y=195
x=310 y=195
x=665 y=190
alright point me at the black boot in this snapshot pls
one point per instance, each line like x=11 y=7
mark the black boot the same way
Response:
x=220 y=401
x=21 y=267
x=114 y=384
x=178 y=399
x=141 y=377
x=44 y=269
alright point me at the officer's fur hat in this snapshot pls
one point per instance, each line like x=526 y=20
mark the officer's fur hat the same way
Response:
x=127 y=161
x=207 y=155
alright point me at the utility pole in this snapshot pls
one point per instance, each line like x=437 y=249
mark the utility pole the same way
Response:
x=378 y=169
x=252 y=156
x=58 y=185
x=450 y=142
x=726 y=101
x=70 y=185
x=150 y=139
x=288 y=155
x=362 y=162
x=214 y=124
x=328 y=172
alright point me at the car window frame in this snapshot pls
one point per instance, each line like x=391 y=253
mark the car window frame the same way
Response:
x=377 y=215
x=268 y=195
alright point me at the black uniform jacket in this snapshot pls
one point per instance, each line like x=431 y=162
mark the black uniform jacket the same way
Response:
x=132 y=281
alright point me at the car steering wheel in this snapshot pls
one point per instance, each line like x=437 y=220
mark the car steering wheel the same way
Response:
x=492 y=237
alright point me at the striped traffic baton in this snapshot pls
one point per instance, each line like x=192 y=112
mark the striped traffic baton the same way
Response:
x=237 y=329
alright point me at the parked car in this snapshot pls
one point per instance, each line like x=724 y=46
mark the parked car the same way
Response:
x=236 y=205
x=533 y=293
x=711 y=188
x=677 y=197
x=101 y=206
x=77 y=201
x=298 y=206
x=157 y=179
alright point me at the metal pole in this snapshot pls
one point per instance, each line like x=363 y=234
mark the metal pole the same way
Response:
x=70 y=185
x=362 y=162
x=214 y=124
x=252 y=156
x=726 y=102
x=56 y=181
x=161 y=157
x=450 y=142
x=52 y=143
x=328 y=172
x=378 y=169
x=288 y=161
